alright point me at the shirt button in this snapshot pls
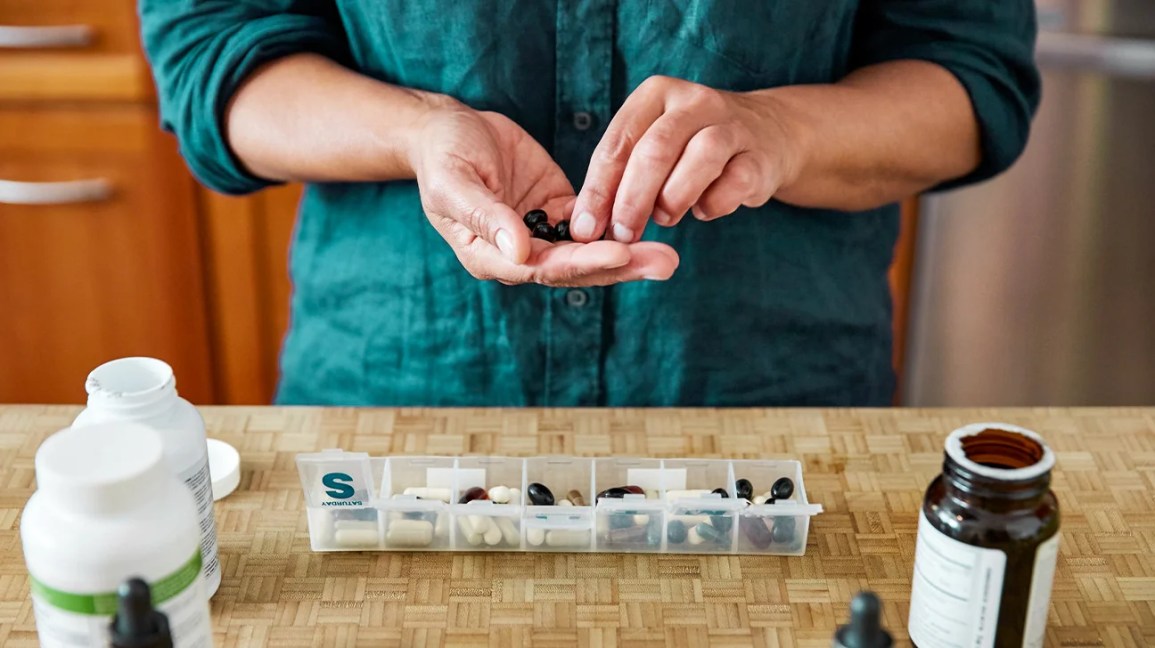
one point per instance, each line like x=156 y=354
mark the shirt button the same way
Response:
x=577 y=298
x=583 y=120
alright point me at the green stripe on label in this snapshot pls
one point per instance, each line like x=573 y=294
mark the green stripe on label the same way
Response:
x=105 y=604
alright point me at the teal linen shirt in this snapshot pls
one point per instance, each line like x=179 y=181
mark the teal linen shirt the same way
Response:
x=778 y=305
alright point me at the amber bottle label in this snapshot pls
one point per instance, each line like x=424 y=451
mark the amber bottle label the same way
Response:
x=954 y=600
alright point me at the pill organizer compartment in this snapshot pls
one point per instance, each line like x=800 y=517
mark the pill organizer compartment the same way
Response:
x=339 y=492
x=414 y=503
x=697 y=519
x=484 y=524
x=560 y=528
x=780 y=528
x=634 y=522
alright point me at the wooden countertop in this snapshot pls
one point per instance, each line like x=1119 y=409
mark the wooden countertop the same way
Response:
x=867 y=467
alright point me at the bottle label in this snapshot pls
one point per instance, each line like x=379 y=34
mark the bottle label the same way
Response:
x=1039 y=602
x=198 y=480
x=68 y=620
x=956 y=591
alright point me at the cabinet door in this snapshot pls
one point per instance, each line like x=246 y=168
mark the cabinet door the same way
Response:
x=71 y=49
x=99 y=251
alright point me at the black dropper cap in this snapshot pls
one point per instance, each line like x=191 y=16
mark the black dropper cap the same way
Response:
x=865 y=629
x=137 y=624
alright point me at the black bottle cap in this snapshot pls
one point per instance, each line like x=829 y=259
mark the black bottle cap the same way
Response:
x=137 y=624
x=865 y=629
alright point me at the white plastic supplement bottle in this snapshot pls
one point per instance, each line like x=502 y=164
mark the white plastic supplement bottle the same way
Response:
x=143 y=390
x=106 y=509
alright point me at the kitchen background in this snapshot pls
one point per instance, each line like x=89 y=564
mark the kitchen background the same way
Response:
x=1037 y=288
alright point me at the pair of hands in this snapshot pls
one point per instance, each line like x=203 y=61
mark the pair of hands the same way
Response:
x=674 y=147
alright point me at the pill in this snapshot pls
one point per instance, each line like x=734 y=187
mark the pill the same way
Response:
x=722 y=523
x=468 y=532
x=757 y=532
x=641 y=519
x=744 y=489
x=693 y=537
x=539 y=494
x=441 y=526
x=509 y=531
x=564 y=502
x=612 y=493
x=475 y=493
x=676 y=532
x=707 y=532
x=562 y=229
x=783 y=488
x=535 y=536
x=493 y=535
x=782 y=532
x=545 y=232
x=533 y=217
x=759 y=500
x=354 y=524
x=356 y=537
x=621 y=520
x=499 y=494
x=409 y=533
x=720 y=491
x=567 y=538
x=685 y=494
x=636 y=490
x=515 y=495
x=442 y=494
x=652 y=494
x=576 y=498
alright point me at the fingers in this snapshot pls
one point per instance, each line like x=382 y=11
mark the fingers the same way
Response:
x=468 y=201
x=608 y=164
x=648 y=167
x=599 y=263
x=701 y=164
x=737 y=185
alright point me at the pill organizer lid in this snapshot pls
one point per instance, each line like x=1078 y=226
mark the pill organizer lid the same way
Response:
x=224 y=467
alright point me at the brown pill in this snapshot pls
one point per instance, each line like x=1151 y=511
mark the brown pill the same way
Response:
x=475 y=493
x=576 y=497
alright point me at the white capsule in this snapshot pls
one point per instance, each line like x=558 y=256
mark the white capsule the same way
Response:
x=567 y=538
x=442 y=494
x=508 y=531
x=767 y=497
x=468 y=532
x=535 y=536
x=483 y=526
x=652 y=494
x=356 y=537
x=409 y=533
x=564 y=502
x=493 y=535
x=758 y=500
x=352 y=525
x=694 y=537
x=515 y=496
x=499 y=495
x=686 y=494
x=441 y=527
x=641 y=520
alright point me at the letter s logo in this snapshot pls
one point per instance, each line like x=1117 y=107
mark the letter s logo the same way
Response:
x=336 y=483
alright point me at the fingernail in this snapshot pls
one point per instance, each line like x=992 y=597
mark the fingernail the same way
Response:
x=623 y=234
x=661 y=217
x=656 y=277
x=505 y=244
x=584 y=225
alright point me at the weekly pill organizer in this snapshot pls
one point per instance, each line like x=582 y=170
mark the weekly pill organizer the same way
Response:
x=413 y=503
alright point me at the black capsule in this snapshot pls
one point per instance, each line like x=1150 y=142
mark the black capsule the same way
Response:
x=676 y=532
x=562 y=230
x=722 y=492
x=535 y=217
x=539 y=495
x=545 y=232
x=617 y=492
x=744 y=489
x=783 y=488
x=783 y=531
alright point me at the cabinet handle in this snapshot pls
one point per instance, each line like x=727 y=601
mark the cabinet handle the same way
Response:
x=61 y=36
x=54 y=193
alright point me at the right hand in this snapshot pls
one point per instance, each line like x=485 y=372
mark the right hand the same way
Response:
x=478 y=172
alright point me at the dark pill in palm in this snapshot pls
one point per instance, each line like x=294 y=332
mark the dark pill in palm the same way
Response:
x=744 y=489
x=533 y=218
x=783 y=488
x=539 y=494
x=545 y=232
x=562 y=230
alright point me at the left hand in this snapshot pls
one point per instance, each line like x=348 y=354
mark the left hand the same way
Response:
x=677 y=146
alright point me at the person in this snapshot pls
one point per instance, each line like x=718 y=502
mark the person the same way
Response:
x=729 y=170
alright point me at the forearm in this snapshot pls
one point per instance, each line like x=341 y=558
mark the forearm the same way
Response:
x=883 y=133
x=306 y=118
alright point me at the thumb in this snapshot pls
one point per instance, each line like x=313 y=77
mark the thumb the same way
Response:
x=469 y=202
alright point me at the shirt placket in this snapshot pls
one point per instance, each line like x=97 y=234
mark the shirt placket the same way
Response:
x=584 y=63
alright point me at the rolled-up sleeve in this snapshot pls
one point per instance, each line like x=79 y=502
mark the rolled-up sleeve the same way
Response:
x=200 y=52
x=988 y=45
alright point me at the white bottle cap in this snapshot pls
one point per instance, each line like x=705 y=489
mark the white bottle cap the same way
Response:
x=101 y=468
x=224 y=468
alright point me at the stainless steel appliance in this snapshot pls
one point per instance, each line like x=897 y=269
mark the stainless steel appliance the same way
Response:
x=1038 y=287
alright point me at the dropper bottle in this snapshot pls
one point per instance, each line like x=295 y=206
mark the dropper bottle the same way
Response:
x=865 y=629
x=137 y=624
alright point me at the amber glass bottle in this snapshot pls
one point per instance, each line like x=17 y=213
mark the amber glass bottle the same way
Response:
x=987 y=542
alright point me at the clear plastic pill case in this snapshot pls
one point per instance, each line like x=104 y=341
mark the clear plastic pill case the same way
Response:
x=360 y=503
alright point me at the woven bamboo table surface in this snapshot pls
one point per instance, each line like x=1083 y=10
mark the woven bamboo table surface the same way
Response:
x=867 y=467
